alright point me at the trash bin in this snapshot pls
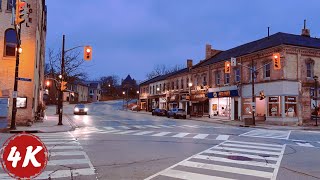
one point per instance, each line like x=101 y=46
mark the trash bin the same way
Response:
x=248 y=121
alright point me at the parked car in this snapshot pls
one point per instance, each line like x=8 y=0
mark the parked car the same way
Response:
x=159 y=112
x=80 y=109
x=177 y=113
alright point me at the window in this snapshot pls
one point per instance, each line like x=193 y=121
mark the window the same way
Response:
x=291 y=106
x=10 y=42
x=177 y=84
x=204 y=80
x=274 y=106
x=309 y=70
x=182 y=85
x=152 y=89
x=10 y=3
x=164 y=86
x=226 y=78
x=266 y=71
x=172 y=85
x=217 y=76
x=188 y=82
x=237 y=75
x=255 y=76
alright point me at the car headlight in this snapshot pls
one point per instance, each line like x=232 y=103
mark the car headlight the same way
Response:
x=86 y=109
x=76 y=109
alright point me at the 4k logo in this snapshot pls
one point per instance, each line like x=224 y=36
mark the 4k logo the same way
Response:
x=24 y=156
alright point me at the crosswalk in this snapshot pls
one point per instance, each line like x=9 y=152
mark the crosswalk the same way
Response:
x=151 y=133
x=228 y=161
x=66 y=158
x=263 y=133
x=158 y=126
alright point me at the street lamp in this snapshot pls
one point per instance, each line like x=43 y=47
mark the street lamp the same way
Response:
x=316 y=97
x=123 y=93
x=190 y=104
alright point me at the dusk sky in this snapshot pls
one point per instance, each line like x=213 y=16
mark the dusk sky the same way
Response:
x=131 y=36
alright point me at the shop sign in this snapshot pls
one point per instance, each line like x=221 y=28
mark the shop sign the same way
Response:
x=290 y=99
x=163 y=100
x=273 y=99
x=185 y=97
x=231 y=93
x=198 y=96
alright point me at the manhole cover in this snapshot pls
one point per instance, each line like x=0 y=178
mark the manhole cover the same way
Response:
x=239 y=158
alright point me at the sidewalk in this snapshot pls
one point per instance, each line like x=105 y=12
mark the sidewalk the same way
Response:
x=259 y=124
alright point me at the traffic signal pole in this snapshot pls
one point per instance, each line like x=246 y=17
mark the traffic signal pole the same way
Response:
x=253 y=97
x=62 y=77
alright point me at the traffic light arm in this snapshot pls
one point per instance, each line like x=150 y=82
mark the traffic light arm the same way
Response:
x=54 y=80
x=73 y=48
x=257 y=68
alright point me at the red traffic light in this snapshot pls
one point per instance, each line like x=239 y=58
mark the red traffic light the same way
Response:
x=87 y=55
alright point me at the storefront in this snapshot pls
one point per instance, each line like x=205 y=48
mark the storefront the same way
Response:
x=184 y=102
x=173 y=101
x=143 y=104
x=224 y=104
x=163 y=103
x=200 y=105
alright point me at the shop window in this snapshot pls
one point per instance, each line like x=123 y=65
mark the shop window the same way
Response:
x=226 y=78
x=266 y=72
x=217 y=76
x=247 y=108
x=291 y=106
x=237 y=75
x=274 y=106
x=309 y=70
x=10 y=42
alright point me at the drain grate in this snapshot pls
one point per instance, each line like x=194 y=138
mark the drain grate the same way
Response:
x=239 y=158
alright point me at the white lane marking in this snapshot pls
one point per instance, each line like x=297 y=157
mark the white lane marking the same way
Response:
x=253 y=147
x=65 y=173
x=60 y=142
x=108 y=128
x=63 y=147
x=201 y=136
x=276 y=170
x=151 y=126
x=143 y=133
x=67 y=153
x=241 y=154
x=247 y=150
x=165 y=126
x=305 y=144
x=189 y=176
x=228 y=169
x=124 y=127
x=254 y=143
x=191 y=126
x=180 y=135
x=126 y=132
x=67 y=162
x=112 y=131
x=225 y=160
x=223 y=137
x=139 y=127
x=267 y=134
x=161 y=134
x=288 y=135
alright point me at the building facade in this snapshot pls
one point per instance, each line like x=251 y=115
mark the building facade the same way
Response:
x=94 y=91
x=76 y=93
x=32 y=60
x=288 y=90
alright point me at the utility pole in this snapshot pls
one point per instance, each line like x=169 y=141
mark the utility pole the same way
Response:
x=61 y=79
x=316 y=97
x=16 y=75
x=253 y=97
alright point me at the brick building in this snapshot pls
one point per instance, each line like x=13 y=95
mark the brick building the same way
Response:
x=288 y=91
x=32 y=58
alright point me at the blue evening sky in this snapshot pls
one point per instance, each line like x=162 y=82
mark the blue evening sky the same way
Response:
x=131 y=36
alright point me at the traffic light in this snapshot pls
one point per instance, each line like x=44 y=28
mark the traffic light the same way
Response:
x=227 y=67
x=19 y=11
x=276 y=61
x=63 y=85
x=262 y=96
x=87 y=54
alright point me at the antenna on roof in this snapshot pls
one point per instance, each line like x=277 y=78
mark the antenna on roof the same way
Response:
x=304 y=24
x=268 y=32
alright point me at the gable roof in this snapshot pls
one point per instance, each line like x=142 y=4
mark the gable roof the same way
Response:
x=264 y=43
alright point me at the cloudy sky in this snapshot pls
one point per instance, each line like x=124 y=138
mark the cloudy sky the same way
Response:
x=131 y=36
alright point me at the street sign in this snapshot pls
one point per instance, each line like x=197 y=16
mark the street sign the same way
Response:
x=233 y=61
x=24 y=79
x=14 y=94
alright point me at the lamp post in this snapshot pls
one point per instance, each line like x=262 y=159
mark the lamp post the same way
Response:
x=190 y=104
x=138 y=93
x=123 y=93
x=316 y=97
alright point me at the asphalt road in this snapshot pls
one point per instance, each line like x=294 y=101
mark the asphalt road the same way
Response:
x=110 y=143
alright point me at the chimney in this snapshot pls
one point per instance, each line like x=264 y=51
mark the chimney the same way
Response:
x=208 y=51
x=305 y=32
x=189 y=63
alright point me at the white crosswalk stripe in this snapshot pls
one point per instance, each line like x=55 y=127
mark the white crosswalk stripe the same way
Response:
x=221 y=163
x=262 y=133
x=66 y=151
x=127 y=127
x=304 y=144
x=201 y=136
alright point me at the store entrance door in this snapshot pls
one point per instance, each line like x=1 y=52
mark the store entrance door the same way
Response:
x=236 y=110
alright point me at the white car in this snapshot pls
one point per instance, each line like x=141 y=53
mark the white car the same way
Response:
x=80 y=109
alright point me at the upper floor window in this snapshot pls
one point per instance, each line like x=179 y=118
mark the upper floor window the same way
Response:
x=10 y=42
x=177 y=84
x=266 y=72
x=226 y=78
x=172 y=85
x=255 y=76
x=10 y=4
x=217 y=78
x=160 y=88
x=182 y=84
x=164 y=86
x=309 y=70
x=237 y=75
x=204 y=80
x=153 y=90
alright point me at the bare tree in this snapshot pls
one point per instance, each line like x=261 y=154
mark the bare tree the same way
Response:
x=162 y=69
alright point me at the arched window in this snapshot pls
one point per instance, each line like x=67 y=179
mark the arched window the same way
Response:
x=10 y=42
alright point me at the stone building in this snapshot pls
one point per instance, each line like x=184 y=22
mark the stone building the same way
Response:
x=32 y=58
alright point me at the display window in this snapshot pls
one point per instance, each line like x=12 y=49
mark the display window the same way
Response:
x=291 y=106
x=247 y=108
x=274 y=106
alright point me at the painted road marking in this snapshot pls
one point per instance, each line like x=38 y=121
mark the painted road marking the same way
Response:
x=305 y=144
x=223 y=137
x=108 y=128
x=126 y=132
x=67 y=162
x=180 y=135
x=201 y=136
x=252 y=147
x=262 y=133
x=254 y=143
x=161 y=134
x=226 y=164
x=67 y=153
x=143 y=133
